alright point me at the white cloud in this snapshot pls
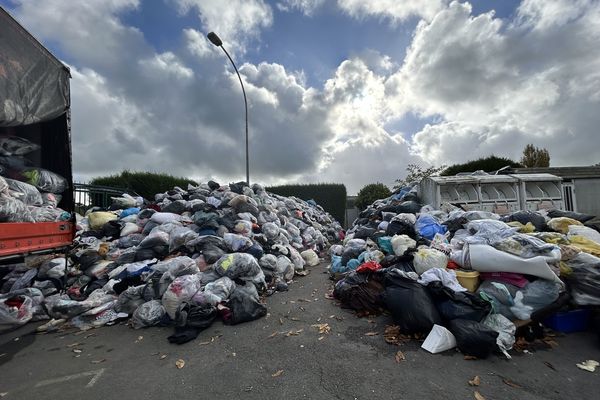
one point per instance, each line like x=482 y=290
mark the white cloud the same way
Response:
x=89 y=30
x=307 y=7
x=235 y=21
x=198 y=44
x=393 y=10
x=499 y=86
x=166 y=64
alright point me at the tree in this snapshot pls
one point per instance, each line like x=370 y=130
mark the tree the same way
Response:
x=487 y=164
x=535 y=157
x=368 y=194
x=146 y=184
x=415 y=173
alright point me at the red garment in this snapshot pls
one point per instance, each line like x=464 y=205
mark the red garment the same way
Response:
x=369 y=266
x=452 y=265
x=505 y=277
x=14 y=302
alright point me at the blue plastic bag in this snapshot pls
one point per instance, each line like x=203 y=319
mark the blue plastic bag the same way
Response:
x=427 y=226
x=336 y=264
x=129 y=211
x=385 y=244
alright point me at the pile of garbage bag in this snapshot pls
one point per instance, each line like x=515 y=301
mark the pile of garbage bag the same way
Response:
x=185 y=259
x=28 y=193
x=465 y=277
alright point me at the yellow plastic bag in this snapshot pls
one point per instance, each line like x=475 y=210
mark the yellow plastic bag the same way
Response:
x=561 y=224
x=99 y=218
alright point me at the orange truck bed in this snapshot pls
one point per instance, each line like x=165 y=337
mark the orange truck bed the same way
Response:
x=26 y=237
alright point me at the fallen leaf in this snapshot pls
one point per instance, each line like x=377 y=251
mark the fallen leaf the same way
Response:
x=511 y=384
x=294 y=333
x=478 y=396
x=278 y=373
x=280 y=321
x=400 y=356
x=248 y=389
x=302 y=308
x=272 y=335
x=205 y=343
x=323 y=328
x=3 y=394
x=140 y=338
x=162 y=357
x=233 y=354
x=475 y=381
x=77 y=350
x=98 y=361
x=295 y=319
x=329 y=296
x=371 y=321
x=155 y=353
x=90 y=335
x=180 y=363
x=74 y=344
x=304 y=300
x=547 y=364
x=321 y=337
x=470 y=358
x=371 y=333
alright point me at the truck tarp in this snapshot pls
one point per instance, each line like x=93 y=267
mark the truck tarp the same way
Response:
x=34 y=85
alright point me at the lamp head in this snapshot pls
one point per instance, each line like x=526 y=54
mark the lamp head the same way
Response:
x=214 y=39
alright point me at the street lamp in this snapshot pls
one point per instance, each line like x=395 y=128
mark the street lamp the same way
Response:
x=214 y=39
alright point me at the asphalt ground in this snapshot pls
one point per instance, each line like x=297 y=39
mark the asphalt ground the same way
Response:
x=282 y=356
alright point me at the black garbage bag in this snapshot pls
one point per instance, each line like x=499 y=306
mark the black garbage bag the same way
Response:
x=112 y=229
x=528 y=216
x=402 y=263
x=87 y=259
x=593 y=223
x=458 y=305
x=583 y=218
x=364 y=233
x=195 y=316
x=401 y=228
x=361 y=292
x=245 y=304
x=206 y=220
x=350 y=253
x=409 y=207
x=410 y=303
x=473 y=338
x=175 y=207
x=212 y=254
x=213 y=185
x=256 y=250
x=455 y=224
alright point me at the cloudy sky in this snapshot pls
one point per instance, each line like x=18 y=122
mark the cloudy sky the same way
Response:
x=346 y=91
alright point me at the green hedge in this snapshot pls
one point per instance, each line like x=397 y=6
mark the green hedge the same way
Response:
x=146 y=184
x=487 y=164
x=330 y=196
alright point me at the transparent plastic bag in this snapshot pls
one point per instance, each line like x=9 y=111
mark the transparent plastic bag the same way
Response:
x=46 y=181
x=148 y=314
x=16 y=146
x=14 y=210
x=12 y=317
x=25 y=192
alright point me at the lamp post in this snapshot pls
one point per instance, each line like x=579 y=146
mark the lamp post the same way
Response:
x=214 y=39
